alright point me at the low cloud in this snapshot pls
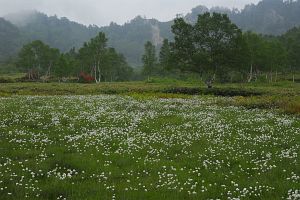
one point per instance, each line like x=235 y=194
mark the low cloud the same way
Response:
x=102 y=12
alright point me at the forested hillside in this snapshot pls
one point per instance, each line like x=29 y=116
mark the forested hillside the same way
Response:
x=10 y=39
x=64 y=34
x=60 y=33
x=267 y=17
x=130 y=38
x=273 y=17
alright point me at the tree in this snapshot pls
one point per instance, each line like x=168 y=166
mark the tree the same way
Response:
x=73 y=62
x=100 y=61
x=164 y=55
x=276 y=58
x=256 y=53
x=182 y=49
x=62 y=68
x=92 y=54
x=215 y=40
x=98 y=49
x=149 y=59
x=37 y=58
x=291 y=41
x=51 y=57
x=207 y=47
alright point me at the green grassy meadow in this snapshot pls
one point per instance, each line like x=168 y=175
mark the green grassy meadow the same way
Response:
x=149 y=141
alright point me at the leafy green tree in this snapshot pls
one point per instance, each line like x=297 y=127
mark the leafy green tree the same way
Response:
x=238 y=63
x=276 y=58
x=149 y=59
x=36 y=58
x=182 y=49
x=118 y=69
x=256 y=53
x=92 y=55
x=215 y=40
x=165 y=55
x=291 y=41
x=61 y=69
x=51 y=57
x=207 y=47
x=100 y=61
x=98 y=49
x=73 y=62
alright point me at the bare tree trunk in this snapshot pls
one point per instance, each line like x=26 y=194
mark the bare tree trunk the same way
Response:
x=99 y=72
x=95 y=72
x=271 y=79
x=293 y=78
x=251 y=74
x=276 y=75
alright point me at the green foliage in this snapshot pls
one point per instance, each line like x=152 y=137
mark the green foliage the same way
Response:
x=104 y=63
x=145 y=147
x=207 y=47
x=61 y=69
x=265 y=54
x=95 y=58
x=267 y=17
x=291 y=41
x=92 y=56
x=149 y=59
x=165 y=54
x=248 y=57
x=37 y=59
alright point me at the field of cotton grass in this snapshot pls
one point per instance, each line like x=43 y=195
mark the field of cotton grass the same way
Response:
x=121 y=147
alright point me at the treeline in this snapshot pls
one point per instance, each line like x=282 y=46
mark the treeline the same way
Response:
x=213 y=47
x=217 y=50
x=267 y=17
x=94 y=62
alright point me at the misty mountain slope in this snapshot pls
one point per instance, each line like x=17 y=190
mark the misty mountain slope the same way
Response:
x=130 y=38
x=267 y=17
x=10 y=39
x=272 y=17
x=60 y=33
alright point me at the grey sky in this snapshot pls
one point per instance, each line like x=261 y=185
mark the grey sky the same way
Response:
x=102 y=12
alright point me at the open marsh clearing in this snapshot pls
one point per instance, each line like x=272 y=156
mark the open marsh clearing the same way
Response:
x=118 y=147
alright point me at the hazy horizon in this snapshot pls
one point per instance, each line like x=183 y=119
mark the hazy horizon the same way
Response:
x=104 y=12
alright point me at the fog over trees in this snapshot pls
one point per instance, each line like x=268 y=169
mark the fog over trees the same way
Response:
x=266 y=40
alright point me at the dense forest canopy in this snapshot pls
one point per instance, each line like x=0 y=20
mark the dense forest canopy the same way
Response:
x=267 y=17
x=94 y=62
x=216 y=49
x=218 y=44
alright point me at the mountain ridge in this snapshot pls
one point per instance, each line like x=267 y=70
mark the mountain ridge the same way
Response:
x=267 y=17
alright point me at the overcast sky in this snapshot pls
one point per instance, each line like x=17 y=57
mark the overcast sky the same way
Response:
x=102 y=12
